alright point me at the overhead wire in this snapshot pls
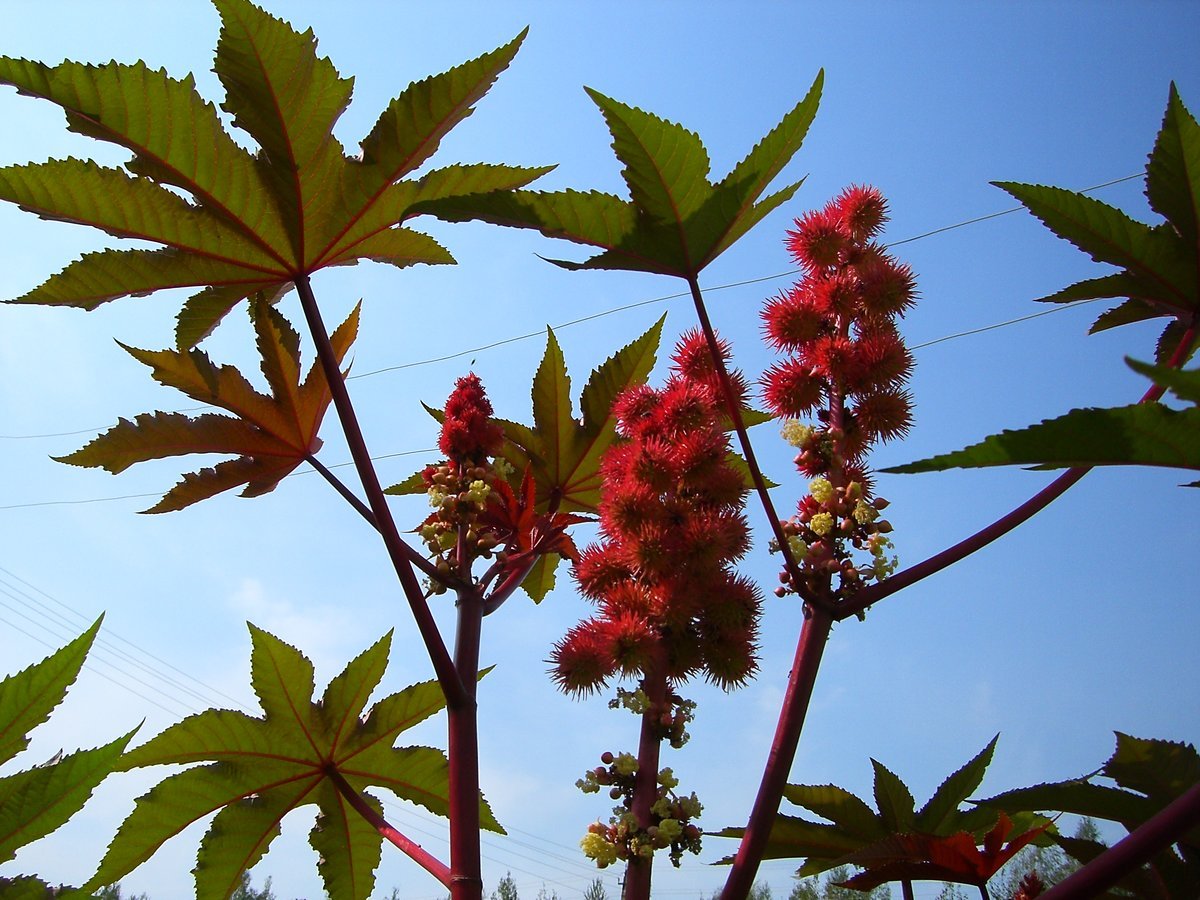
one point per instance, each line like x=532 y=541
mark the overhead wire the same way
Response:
x=640 y=303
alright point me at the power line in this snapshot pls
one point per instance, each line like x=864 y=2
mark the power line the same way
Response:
x=617 y=309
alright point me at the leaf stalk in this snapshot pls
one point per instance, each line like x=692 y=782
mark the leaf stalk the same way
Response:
x=401 y=554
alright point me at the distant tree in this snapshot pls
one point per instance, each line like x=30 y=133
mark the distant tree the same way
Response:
x=760 y=891
x=246 y=891
x=506 y=889
x=542 y=895
x=113 y=892
x=815 y=888
x=1051 y=864
x=952 y=892
x=595 y=891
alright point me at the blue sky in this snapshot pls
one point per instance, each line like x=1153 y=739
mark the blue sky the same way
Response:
x=1080 y=623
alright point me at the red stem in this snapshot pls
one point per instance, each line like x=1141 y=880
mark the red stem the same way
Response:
x=1140 y=846
x=463 y=751
x=410 y=848
x=365 y=511
x=402 y=556
x=735 y=416
x=1003 y=525
x=809 y=649
x=645 y=785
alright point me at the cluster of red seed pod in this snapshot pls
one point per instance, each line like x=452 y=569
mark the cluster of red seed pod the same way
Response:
x=459 y=488
x=846 y=368
x=672 y=525
x=846 y=360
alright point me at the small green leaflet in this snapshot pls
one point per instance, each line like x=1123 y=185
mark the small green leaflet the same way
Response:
x=677 y=221
x=257 y=769
x=35 y=802
x=253 y=223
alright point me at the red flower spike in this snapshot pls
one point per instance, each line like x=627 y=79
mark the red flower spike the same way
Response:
x=468 y=434
x=671 y=523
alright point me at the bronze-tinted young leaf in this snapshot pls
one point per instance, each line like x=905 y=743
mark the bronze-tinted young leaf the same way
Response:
x=257 y=222
x=257 y=769
x=677 y=221
x=271 y=435
x=955 y=858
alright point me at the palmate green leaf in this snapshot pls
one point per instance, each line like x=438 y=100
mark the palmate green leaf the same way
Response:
x=259 y=768
x=940 y=816
x=897 y=808
x=271 y=435
x=853 y=826
x=795 y=838
x=1144 y=434
x=1160 y=265
x=257 y=221
x=28 y=697
x=1173 y=172
x=677 y=221
x=567 y=452
x=35 y=802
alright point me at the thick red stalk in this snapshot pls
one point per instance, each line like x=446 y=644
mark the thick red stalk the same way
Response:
x=410 y=848
x=1003 y=525
x=739 y=426
x=809 y=649
x=466 y=880
x=1139 y=847
x=645 y=786
x=401 y=554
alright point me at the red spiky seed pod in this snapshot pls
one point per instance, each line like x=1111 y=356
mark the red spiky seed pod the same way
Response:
x=791 y=388
x=794 y=318
x=863 y=211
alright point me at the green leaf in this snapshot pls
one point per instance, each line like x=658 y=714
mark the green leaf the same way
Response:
x=28 y=698
x=540 y=580
x=1154 y=256
x=1121 y=284
x=84 y=193
x=259 y=221
x=36 y=802
x=1143 y=434
x=1128 y=312
x=413 y=484
x=175 y=136
x=1173 y=172
x=677 y=222
x=1078 y=798
x=1162 y=770
x=260 y=768
x=795 y=838
x=666 y=166
x=938 y=816
x=565 y=453
x=839 y=806
x=1183 y=384
x=896 y=805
